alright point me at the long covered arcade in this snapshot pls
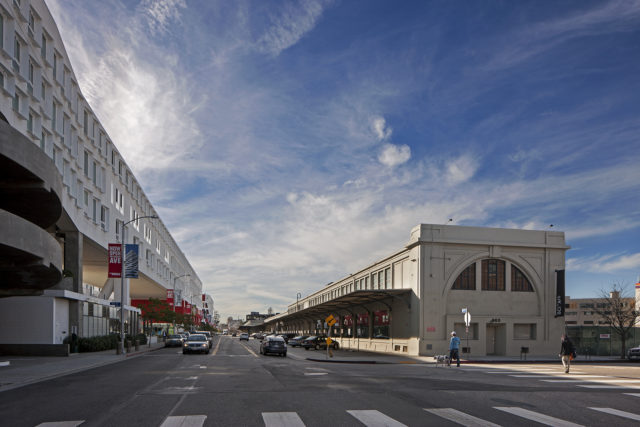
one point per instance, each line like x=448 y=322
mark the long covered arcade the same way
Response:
x=510 y=281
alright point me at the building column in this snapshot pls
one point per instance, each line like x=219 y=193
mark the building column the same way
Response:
x=73 y=248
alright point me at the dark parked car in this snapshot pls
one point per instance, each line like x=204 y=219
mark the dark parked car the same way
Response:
x=273 y=344
x=633 y=353
x=174 y=341
x=318 y=342
x=196 y=343
x=297 y=341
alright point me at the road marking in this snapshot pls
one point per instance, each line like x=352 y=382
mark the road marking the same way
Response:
x=607 y=386
x=605 y=381
x=622 y=414
x=5 y=363
x=217 y=347
x=316 y=373
x=250 y=351
x=372 y=418
x=184 y=421
x=559 y=375
x=634 y=394
x=282 y=419
x=534 y=416
x=61 y=424
x=460 y=417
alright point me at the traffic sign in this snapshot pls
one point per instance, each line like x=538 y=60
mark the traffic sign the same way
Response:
x=330 y=320
x=115 y=303
x=467 y=318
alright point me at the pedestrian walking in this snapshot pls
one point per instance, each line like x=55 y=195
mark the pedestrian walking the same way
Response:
x=454 y=348
x=566 y=352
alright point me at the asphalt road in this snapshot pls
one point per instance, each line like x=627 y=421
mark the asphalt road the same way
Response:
x=235 y=386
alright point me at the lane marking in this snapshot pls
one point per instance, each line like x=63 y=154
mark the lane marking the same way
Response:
x=282 y=419
x=559 y=375
x=460 y=417
x=622 y=414
x=184 y=421
x=61 y=424
x=316 y=373
x=534 y=416
x=250 y=351
x=5 y=363
x=604 y=381
x=372 y=418
x=608 y=386
x=634 y=394
x=217 y=347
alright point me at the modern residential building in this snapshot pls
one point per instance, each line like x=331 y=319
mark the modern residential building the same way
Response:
x=67 y=193
x=581 y=311
x=509 y=282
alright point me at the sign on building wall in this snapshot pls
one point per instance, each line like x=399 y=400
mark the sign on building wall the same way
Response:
x=559 y=293
x=170 y=297
x=115 y=260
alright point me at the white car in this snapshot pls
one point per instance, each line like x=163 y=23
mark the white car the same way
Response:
x=244 y=337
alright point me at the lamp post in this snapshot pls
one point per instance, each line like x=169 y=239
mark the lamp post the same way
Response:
x=122 y=256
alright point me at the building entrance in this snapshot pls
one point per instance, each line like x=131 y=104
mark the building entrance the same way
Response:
x=496 y=339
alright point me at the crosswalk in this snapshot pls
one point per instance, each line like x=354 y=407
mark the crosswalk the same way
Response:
x=375 y=418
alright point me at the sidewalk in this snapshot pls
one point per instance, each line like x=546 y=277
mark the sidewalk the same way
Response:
x=365 y=357
x=18 y=371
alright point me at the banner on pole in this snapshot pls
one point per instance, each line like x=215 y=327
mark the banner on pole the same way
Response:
x=131 y=261
x=115 y=260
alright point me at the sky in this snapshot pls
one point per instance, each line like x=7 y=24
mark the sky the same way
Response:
x=286 y=144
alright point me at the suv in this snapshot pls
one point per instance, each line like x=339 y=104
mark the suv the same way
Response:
x=244 y=337
x=196 y=343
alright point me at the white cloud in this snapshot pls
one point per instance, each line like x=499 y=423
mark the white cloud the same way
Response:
x=394 y=155
x=460 y=170
x=160 y=13
x=611 y=263
x=290 y=24
x=380 y=128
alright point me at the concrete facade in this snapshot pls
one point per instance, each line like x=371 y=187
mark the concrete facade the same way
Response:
x=82 y=191
x=413 y=298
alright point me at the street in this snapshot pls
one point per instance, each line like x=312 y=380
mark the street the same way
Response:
x=235 y=386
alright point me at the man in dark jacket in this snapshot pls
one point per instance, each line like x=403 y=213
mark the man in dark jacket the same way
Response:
x=566 y=350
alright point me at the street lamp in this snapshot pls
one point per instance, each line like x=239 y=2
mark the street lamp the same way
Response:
x=122 y=259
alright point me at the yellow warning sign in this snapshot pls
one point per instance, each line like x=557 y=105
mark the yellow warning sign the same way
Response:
x=330 y=320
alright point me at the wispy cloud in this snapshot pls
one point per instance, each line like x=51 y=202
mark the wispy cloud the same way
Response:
x=611 y=263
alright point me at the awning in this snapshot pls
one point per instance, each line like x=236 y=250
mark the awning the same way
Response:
x=350 y=301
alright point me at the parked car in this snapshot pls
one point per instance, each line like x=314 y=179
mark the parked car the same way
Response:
x=273 y=344
x=174 y=341
x=244 y=337
x=208 y=335
x=196 y=343
x=633 y=353
x=318 y=343
x=297 y=341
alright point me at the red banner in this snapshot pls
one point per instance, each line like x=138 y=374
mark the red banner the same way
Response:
x=115 y=260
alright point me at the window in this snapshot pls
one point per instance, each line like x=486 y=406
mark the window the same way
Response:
x=1 y=30
x=43 y=48
x=16 y=55
x=54 y=113
x=31 y=21
x=86 y=123
x=104 y=218
x=42 y=141
x=86 y=198
x=519 y=283
x=16 y=102
x=381 y=324
x=467 y=279
x=524 y=331
x=30 y=123
x=55 y=66
x=387 y=278
x=492 y=275
x=94 y=210
x=86 y=165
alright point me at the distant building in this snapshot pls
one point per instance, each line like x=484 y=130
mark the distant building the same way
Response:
x=581 y=311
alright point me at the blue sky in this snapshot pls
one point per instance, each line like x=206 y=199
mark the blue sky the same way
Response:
x=286 y=144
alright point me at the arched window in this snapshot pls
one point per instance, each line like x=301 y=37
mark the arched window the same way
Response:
x=493 y=275
x=467 y=279
x=519 y=282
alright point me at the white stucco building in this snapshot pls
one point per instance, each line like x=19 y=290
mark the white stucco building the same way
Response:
x=510 y=281
x=79 y=195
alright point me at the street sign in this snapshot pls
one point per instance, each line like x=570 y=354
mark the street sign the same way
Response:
x=115 y=303
x=329 y=341
x=467 y=318
x=330 y=320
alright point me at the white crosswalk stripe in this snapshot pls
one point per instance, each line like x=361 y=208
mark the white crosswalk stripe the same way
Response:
x=607 y=386
x=634 y=394
x=562 y=375
x=372 y=418
x=184 y=421
x=618 y=413
x=460 y=417
x=282 y=419
x=537 y=417
x=61 y=424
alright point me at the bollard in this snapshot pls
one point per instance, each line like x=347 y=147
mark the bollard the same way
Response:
x=128 y=343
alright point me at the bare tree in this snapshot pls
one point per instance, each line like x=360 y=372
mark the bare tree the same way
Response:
x=617 y=308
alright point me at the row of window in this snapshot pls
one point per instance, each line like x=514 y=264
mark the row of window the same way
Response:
x=373 y=281
x=492 y=277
